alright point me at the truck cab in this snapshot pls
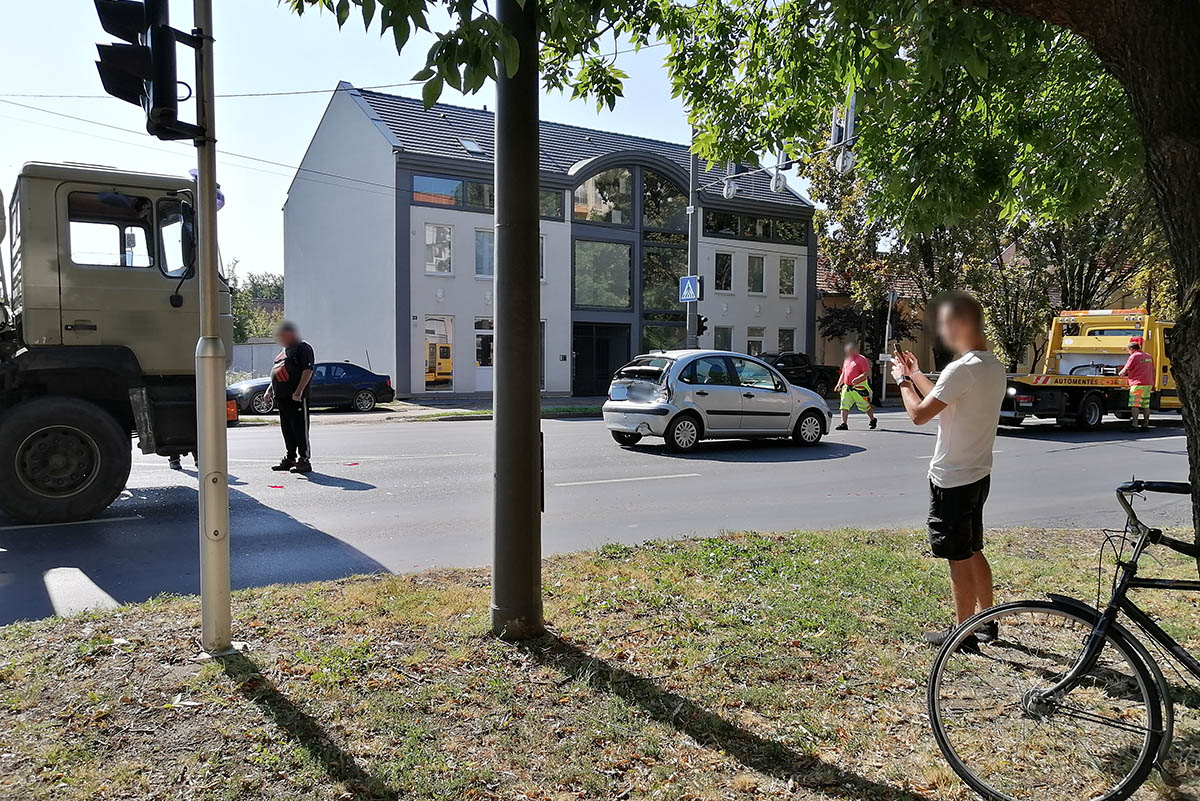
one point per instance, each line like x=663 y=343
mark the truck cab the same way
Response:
x=97 y=336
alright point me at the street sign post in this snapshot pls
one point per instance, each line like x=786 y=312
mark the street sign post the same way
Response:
x=692 y=332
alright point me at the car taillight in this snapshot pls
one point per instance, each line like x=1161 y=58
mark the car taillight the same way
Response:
x=1023 y=398
x=388 y=380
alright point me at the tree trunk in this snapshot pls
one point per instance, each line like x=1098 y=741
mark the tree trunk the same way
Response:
x=1156 y=57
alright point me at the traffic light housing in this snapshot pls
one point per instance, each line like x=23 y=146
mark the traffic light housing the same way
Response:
x=701 y=325
x=143 y=70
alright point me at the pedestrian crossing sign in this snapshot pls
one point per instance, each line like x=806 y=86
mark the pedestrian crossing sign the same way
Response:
x=690 y=289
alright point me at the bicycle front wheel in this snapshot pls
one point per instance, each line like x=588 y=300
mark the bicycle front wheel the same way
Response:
x=1009 y=742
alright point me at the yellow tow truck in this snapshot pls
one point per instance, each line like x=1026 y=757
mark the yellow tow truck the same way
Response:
x=1078 y=384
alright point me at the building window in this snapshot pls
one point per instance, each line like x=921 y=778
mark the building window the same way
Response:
x=603 y=275
x=437 y=248
x=663 y=337
x=550 y=202
x=664 y=205
x=755 y=281
x=787 y=340
x=439 y=353
x=724 y=277
x=787 y=277
x=542 y=257
x=723 y=337
x=606 y=197
x=437 y=191
x=485 y=254
x=485 y=340
x=730 y=225
x=110 y=234
x=480 y=195
x=662 y=267
x=754 y=340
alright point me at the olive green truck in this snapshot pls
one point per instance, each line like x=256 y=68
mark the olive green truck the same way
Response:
x=99 y=316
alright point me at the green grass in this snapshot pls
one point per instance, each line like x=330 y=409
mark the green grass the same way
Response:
x=751 y=665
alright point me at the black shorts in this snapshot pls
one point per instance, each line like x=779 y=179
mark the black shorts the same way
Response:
x=956 y=519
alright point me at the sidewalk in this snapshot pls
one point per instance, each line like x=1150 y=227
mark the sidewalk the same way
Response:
x=461 y=407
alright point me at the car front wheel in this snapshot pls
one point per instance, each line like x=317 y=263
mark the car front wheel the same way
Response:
x=259 y=403
x=683 y=434
x=809 y=429
x=626 y=438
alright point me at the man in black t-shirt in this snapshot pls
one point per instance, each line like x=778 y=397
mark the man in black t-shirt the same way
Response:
x=290 y=377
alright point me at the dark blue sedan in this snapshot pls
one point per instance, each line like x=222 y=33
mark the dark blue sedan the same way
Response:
x=334 y=384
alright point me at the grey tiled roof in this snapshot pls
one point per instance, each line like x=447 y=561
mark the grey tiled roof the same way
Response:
x=438 y=131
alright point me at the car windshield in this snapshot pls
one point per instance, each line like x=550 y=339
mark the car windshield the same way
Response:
x=645 y=368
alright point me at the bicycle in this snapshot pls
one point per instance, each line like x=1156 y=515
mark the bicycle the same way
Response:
x=1065 y=702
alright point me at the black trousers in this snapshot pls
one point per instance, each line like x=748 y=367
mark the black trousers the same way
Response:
x=293 y=422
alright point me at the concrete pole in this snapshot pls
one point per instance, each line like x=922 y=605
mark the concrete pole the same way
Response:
x=693 y=309
x=517 y=560
x=212 y=455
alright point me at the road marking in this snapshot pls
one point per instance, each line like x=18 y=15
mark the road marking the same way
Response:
x=71 y=591
x=622 y=480
x=75 y=522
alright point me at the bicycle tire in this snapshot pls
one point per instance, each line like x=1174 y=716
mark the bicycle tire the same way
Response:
x=992 y=748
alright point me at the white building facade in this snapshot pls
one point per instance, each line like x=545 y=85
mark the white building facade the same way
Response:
x=388 y=251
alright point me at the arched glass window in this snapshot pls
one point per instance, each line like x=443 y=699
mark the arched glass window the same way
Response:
x=606 y=197
x=664 y=205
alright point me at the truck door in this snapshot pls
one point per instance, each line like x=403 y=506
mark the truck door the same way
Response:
x=1168 y=392
x=122 y=254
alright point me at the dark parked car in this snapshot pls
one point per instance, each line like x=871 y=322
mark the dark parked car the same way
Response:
x=333 y=384
x=798 y=369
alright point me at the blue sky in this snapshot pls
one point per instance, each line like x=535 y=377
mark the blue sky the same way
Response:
x=48 y=47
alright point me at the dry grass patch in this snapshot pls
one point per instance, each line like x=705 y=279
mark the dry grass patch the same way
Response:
x=784 y=666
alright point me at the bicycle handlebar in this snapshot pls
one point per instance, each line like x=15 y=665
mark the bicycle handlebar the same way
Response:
x=1172 y=487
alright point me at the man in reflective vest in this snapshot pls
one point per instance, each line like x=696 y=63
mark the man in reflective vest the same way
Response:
x=855 y=387
x=1139 y=371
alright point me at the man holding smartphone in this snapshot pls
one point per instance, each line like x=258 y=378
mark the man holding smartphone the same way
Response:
x=966 y=402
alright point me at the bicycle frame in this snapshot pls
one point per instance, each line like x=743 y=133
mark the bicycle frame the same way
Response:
x=1120 y=602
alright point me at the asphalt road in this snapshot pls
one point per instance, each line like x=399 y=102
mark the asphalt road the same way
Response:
x=405 y=496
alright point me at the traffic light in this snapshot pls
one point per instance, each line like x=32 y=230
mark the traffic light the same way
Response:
x=701 y=325
x=143 y=71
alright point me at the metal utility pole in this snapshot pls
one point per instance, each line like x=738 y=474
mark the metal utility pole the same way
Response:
x=212 y=455
x=885 y=358
x=693 y=209
x=517 y=560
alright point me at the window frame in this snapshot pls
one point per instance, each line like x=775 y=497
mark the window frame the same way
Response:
x=492 y=261
x=629 y=246
x=779 y=384
x=716 y=344
x=793 y=293
x=149 y=235
x=716 y=283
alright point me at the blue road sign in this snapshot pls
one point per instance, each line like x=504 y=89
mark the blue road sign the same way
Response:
x=689 y=289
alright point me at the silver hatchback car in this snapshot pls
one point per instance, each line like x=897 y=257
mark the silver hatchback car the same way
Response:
x=685 y=396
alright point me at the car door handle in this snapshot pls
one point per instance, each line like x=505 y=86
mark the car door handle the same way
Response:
x=702 y=394
x=747 y=394
x=80 y=327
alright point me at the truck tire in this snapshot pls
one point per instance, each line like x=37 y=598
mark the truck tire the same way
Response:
x=61 y=460
x=1091 y=413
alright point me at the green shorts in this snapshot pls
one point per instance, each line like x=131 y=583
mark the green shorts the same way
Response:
x=1139 y=396
x=856 y=398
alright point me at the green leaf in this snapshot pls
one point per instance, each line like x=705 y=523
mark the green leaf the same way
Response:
x=368 y=12
x=431 y=91
x=343 y=12
x=400 y=32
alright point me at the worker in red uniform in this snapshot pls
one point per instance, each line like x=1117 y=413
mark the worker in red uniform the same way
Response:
x=854 y=385
x=1139 y=371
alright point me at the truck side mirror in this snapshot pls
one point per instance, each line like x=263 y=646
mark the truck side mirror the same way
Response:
x=189 y=240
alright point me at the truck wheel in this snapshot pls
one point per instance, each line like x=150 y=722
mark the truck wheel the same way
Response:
x=61 y=460
x=1091 y=413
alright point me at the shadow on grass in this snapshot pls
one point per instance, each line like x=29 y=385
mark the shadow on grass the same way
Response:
x=306 y=732
x=766 y=756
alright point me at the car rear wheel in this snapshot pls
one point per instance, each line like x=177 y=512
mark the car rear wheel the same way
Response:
x=683 y=434
x=259 y=403
x=364 y=400
x=626 y=438
x=808 y=430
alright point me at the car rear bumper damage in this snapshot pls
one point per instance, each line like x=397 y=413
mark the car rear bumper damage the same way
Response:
x=636 y=418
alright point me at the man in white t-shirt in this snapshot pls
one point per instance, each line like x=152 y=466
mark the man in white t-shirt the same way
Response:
x=966 y=402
